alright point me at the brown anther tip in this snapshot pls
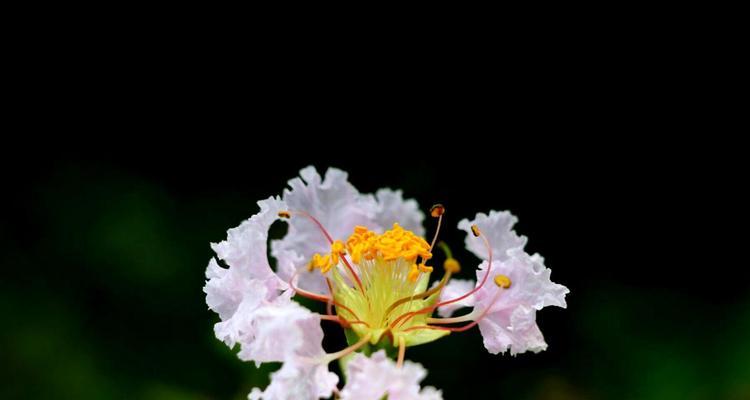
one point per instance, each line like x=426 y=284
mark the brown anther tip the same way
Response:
x=437 y=210
x=285 y=214
x=475 y=230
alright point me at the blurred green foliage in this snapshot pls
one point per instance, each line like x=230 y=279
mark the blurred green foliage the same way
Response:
x=103 y=299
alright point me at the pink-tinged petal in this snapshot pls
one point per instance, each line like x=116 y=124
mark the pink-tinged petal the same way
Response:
x=511 y=320
x=250 y=298
x=298 y=380
x=245 y=249
x=454 y=289
x=282 y=330
x=393 y=208
x=531 y=284
x=336 y=204
x=498 y=229
x=236 y=292
x=377 y=376
x=512 y=329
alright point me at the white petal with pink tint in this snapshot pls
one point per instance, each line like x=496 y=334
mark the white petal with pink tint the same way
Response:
x=336 y=204
x=498 y=229
x=510 y=322
x=454 y=289
x=248 y=283
x=282 y=330
x=377 y=376
x=298 y=380
x=393 y=208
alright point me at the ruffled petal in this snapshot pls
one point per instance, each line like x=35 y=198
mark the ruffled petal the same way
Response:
x=454 y=289
x=245 y=248
x=393 y=208
x=254 y=305
x=498 y=229
x=531 y=283
x=511 y=320
x=514 y=329
x=336 y=204
x=377 y=376
x=298 y=380
x=283 y=330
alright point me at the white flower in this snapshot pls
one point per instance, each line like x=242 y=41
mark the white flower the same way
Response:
x=364 y=256
x=377 y=376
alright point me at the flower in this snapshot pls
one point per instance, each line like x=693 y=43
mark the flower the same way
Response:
x=378 y=376
x=366 y=258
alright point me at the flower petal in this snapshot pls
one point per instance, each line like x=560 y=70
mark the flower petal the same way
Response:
x=511 y=321
x=298 y=380
x=454 y=289
x=245 y=247
x=392 y=208
x=513 y=329
x=498 y=229
x=283 y=330
x=377 y=376
x=235 y=293
x=336 y=204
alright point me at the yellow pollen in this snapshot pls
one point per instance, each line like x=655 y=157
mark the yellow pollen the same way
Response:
x=437 y=210
x=413 y=273
x=393 y=244
x=502 y=281
x=475 y=230
x=285 y=214
x=424 y=268
x=451 y=265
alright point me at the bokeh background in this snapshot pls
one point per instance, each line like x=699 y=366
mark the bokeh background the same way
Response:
x=104 y=254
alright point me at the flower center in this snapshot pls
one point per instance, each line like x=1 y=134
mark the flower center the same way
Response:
x=390 y=266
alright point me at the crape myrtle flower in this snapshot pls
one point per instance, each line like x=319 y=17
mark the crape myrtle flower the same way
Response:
x=365 y=257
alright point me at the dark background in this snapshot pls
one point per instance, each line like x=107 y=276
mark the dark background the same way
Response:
x=104 y=253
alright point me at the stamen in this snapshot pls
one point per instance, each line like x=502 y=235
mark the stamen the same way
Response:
x=436 y=211
x=334 y=356
x=318 y=297
x=345 y=323
x=460 y=328
x=475 y=230
x=305 y=293
x=450 y=265
x=502 y=281
x=287 y=214
x=401 y=351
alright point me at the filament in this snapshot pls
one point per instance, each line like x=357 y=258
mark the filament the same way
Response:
x=403 y=318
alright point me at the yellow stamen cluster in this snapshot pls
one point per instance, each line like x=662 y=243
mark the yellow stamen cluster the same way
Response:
x=391 y=245
x=326 y=262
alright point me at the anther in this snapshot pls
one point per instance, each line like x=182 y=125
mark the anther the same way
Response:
x=475 y=230
x=437 y=210
x=285 y=214
x=502 y=281
x=451 y=265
